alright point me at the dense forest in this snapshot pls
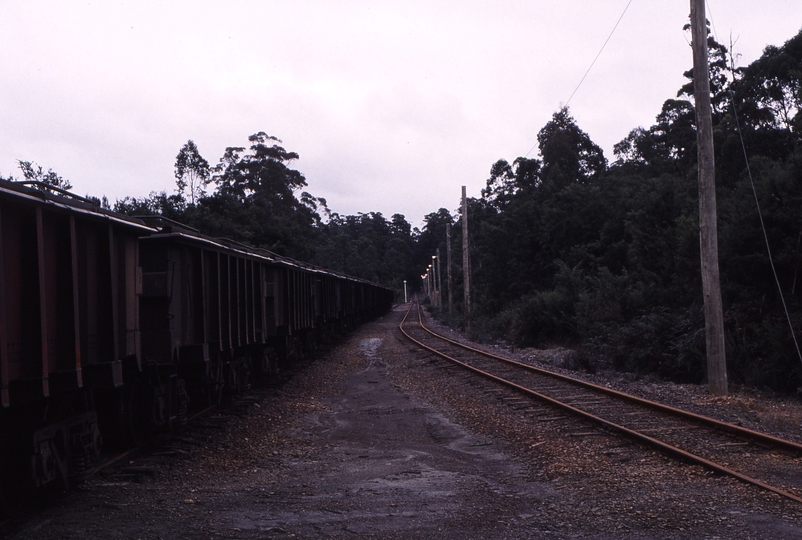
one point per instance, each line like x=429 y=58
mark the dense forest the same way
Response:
x=570 y=248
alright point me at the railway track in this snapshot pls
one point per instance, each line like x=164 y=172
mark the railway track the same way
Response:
x=756 y=458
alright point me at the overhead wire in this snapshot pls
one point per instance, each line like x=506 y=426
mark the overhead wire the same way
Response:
x=599 y=53
x=592 y=63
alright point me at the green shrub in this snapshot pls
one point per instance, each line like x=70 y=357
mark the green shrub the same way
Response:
x=669 y=344
x=760 y=349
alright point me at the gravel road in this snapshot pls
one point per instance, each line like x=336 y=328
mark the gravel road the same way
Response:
x=379 y=440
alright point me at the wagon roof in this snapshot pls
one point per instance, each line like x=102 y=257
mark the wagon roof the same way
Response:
x=27 y=193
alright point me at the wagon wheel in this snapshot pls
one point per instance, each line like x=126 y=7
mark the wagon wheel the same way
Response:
x=233 y=376
x=137 y=414
x=270 y=362
x=216 y=385
x=16 y=481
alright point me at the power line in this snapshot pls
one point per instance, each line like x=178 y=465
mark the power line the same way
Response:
x=592 y=63
x=599 y=53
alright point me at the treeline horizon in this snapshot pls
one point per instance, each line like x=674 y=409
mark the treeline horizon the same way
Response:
x=569 y=248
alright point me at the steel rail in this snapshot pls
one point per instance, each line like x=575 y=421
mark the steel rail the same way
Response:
x=666 y=448
x=140 y=448
x=743 y=432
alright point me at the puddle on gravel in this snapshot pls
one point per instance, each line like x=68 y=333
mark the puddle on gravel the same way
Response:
x=370 y=347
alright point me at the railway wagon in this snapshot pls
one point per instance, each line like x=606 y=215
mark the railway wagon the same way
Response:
x=68 y=325
x=213 y=311
x=111 y=327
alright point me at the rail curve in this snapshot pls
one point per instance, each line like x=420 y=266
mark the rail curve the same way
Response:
x=742 y=453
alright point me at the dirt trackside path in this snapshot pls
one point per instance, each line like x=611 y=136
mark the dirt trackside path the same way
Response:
x=338 y=451
x=379 y=440
x=383 y=464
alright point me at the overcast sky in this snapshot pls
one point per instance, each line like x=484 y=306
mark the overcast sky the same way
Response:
x=392 y=106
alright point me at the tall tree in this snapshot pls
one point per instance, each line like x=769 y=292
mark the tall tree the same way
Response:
x=255 y=199
x=506 y=181
x=191 y=172
x=719 y=73
x=569 y=155
x=770 y=91
x=263 y=173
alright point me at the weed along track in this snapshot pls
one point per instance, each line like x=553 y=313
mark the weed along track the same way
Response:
x=756 y=458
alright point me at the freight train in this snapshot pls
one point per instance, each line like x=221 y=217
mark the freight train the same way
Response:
x=111 y=327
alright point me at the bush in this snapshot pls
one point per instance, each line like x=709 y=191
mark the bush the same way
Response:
x=539 y=319
x=760 y=349
x=669 y=344
x=579 y=305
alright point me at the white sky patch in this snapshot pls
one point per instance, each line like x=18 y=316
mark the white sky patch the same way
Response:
x=392 y=106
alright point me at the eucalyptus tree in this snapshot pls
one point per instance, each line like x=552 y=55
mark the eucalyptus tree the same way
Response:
x=191 y=172
x=32 y=172
x=568 y=154
x=258 y=199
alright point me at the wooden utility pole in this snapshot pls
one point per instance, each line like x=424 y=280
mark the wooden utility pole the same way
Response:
x=448 y=268
x=708 y=232
x=436 y=296
x=439 y=279
x=466 y=263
